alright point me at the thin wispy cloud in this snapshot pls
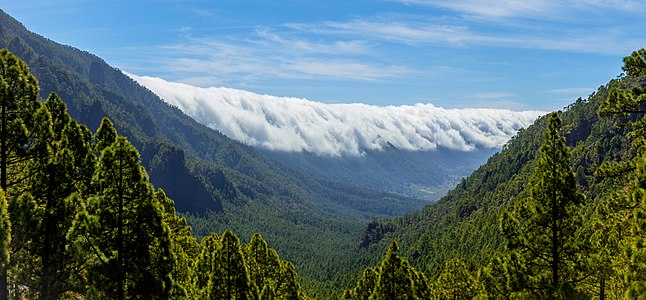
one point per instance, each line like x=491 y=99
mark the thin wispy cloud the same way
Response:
x=573 y=91
x=381 y=28
x=492 y=8
x=245 y=60
x=600 y=40
x=301 y=125
x=539 y=9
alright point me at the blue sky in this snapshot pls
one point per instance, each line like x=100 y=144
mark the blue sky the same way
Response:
x=478 y=53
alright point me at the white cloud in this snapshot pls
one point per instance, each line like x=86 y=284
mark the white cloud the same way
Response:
x=394 y=28
x=269 y=57
x=573 y=91
x=490 y=8
x=400 y=31
x=292 y=124
x=536 y=9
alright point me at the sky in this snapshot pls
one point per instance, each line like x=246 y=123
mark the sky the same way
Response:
x=519 y=55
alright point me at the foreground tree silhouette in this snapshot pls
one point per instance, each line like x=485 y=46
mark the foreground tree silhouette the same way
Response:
x=540 y=230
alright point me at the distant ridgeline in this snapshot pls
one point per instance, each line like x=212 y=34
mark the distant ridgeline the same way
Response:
x=559 y=213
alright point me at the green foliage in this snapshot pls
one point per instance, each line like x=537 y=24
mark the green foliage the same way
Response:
x=184 y=247
x=264 y=265
x=229 y=275
x=216 y=183
x=365 y=286
x=635 y=64
x=5 y=231
x=604 y=231
x=621 y=249
x=87 y=223
x=131 y=242
x=23 y=121
x=541 y=229
x=45 y=212
x=455 y=282
x=394 y=279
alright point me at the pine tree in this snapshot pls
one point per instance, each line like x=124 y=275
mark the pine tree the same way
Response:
x=204 y=266
x=455 y=282
x=105 y=136
x=130 y=241
x=366 y=285
x=287 y=286
x=626 y=212
x=183 y=246
x=263 y=262
x=47 y=220
x=395 y=278
x=540 y=230
x=230 y=277
x=22 y=117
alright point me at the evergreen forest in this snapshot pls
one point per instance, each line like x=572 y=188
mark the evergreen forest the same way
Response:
x=558 y=213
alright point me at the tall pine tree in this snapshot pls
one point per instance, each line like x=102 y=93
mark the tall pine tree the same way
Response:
x=264 y=264
x=395 y=277
x=22 y=116
x=229 y=277
x=541 y=229
x=628 y=207
x=45 y=217
x=130 y=241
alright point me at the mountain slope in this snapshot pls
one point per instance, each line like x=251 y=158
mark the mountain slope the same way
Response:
x=221 y=183
x=465 y=224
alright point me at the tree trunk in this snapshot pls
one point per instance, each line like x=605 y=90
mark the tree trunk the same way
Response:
x=120 y=266
x=47 y=290
x=555 y=242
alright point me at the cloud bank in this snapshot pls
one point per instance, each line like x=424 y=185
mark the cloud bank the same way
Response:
x=301 y=125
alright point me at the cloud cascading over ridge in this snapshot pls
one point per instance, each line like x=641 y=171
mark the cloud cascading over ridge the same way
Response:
x=296 y=125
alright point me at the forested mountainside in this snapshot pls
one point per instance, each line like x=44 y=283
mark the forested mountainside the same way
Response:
x=557 y=214
x=218 y=183
x=79 y=218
